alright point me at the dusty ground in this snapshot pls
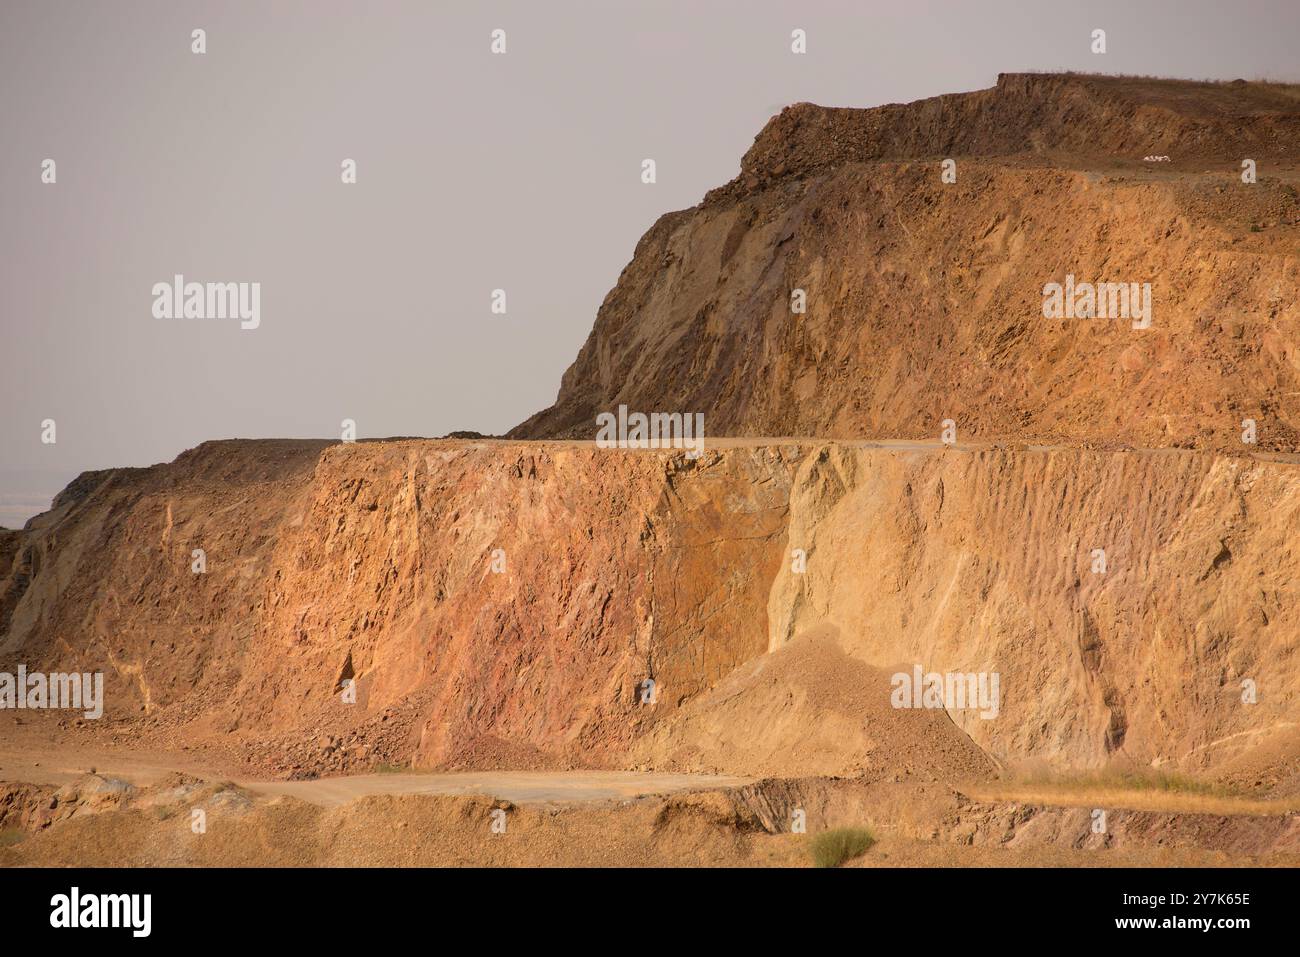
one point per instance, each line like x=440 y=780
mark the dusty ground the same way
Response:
x=620 y=819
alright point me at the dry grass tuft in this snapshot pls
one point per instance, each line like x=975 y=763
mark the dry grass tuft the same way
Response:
x=833 y=848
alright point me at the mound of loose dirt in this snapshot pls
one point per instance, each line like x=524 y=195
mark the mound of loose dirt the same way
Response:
x=809 y=708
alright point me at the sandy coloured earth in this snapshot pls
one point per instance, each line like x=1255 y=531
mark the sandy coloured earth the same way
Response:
x=129 y=811
x=643 y=657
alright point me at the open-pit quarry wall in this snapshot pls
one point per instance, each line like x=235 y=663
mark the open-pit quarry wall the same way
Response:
x=503 y=602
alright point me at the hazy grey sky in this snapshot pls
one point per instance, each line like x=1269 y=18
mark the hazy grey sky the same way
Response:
x=475 y=171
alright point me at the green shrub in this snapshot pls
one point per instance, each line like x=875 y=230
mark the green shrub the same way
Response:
x=833 y=848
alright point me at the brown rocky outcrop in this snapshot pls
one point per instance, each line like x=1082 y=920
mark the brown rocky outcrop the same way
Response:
x=925 y=298
x=619 y=565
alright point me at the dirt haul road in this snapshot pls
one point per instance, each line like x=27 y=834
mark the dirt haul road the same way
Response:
x=518 y=787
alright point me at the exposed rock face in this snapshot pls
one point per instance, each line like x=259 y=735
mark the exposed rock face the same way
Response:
x=622 y=565
x=616 y=569
x=925 y=298
x=378 y=558
x=984 y=562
